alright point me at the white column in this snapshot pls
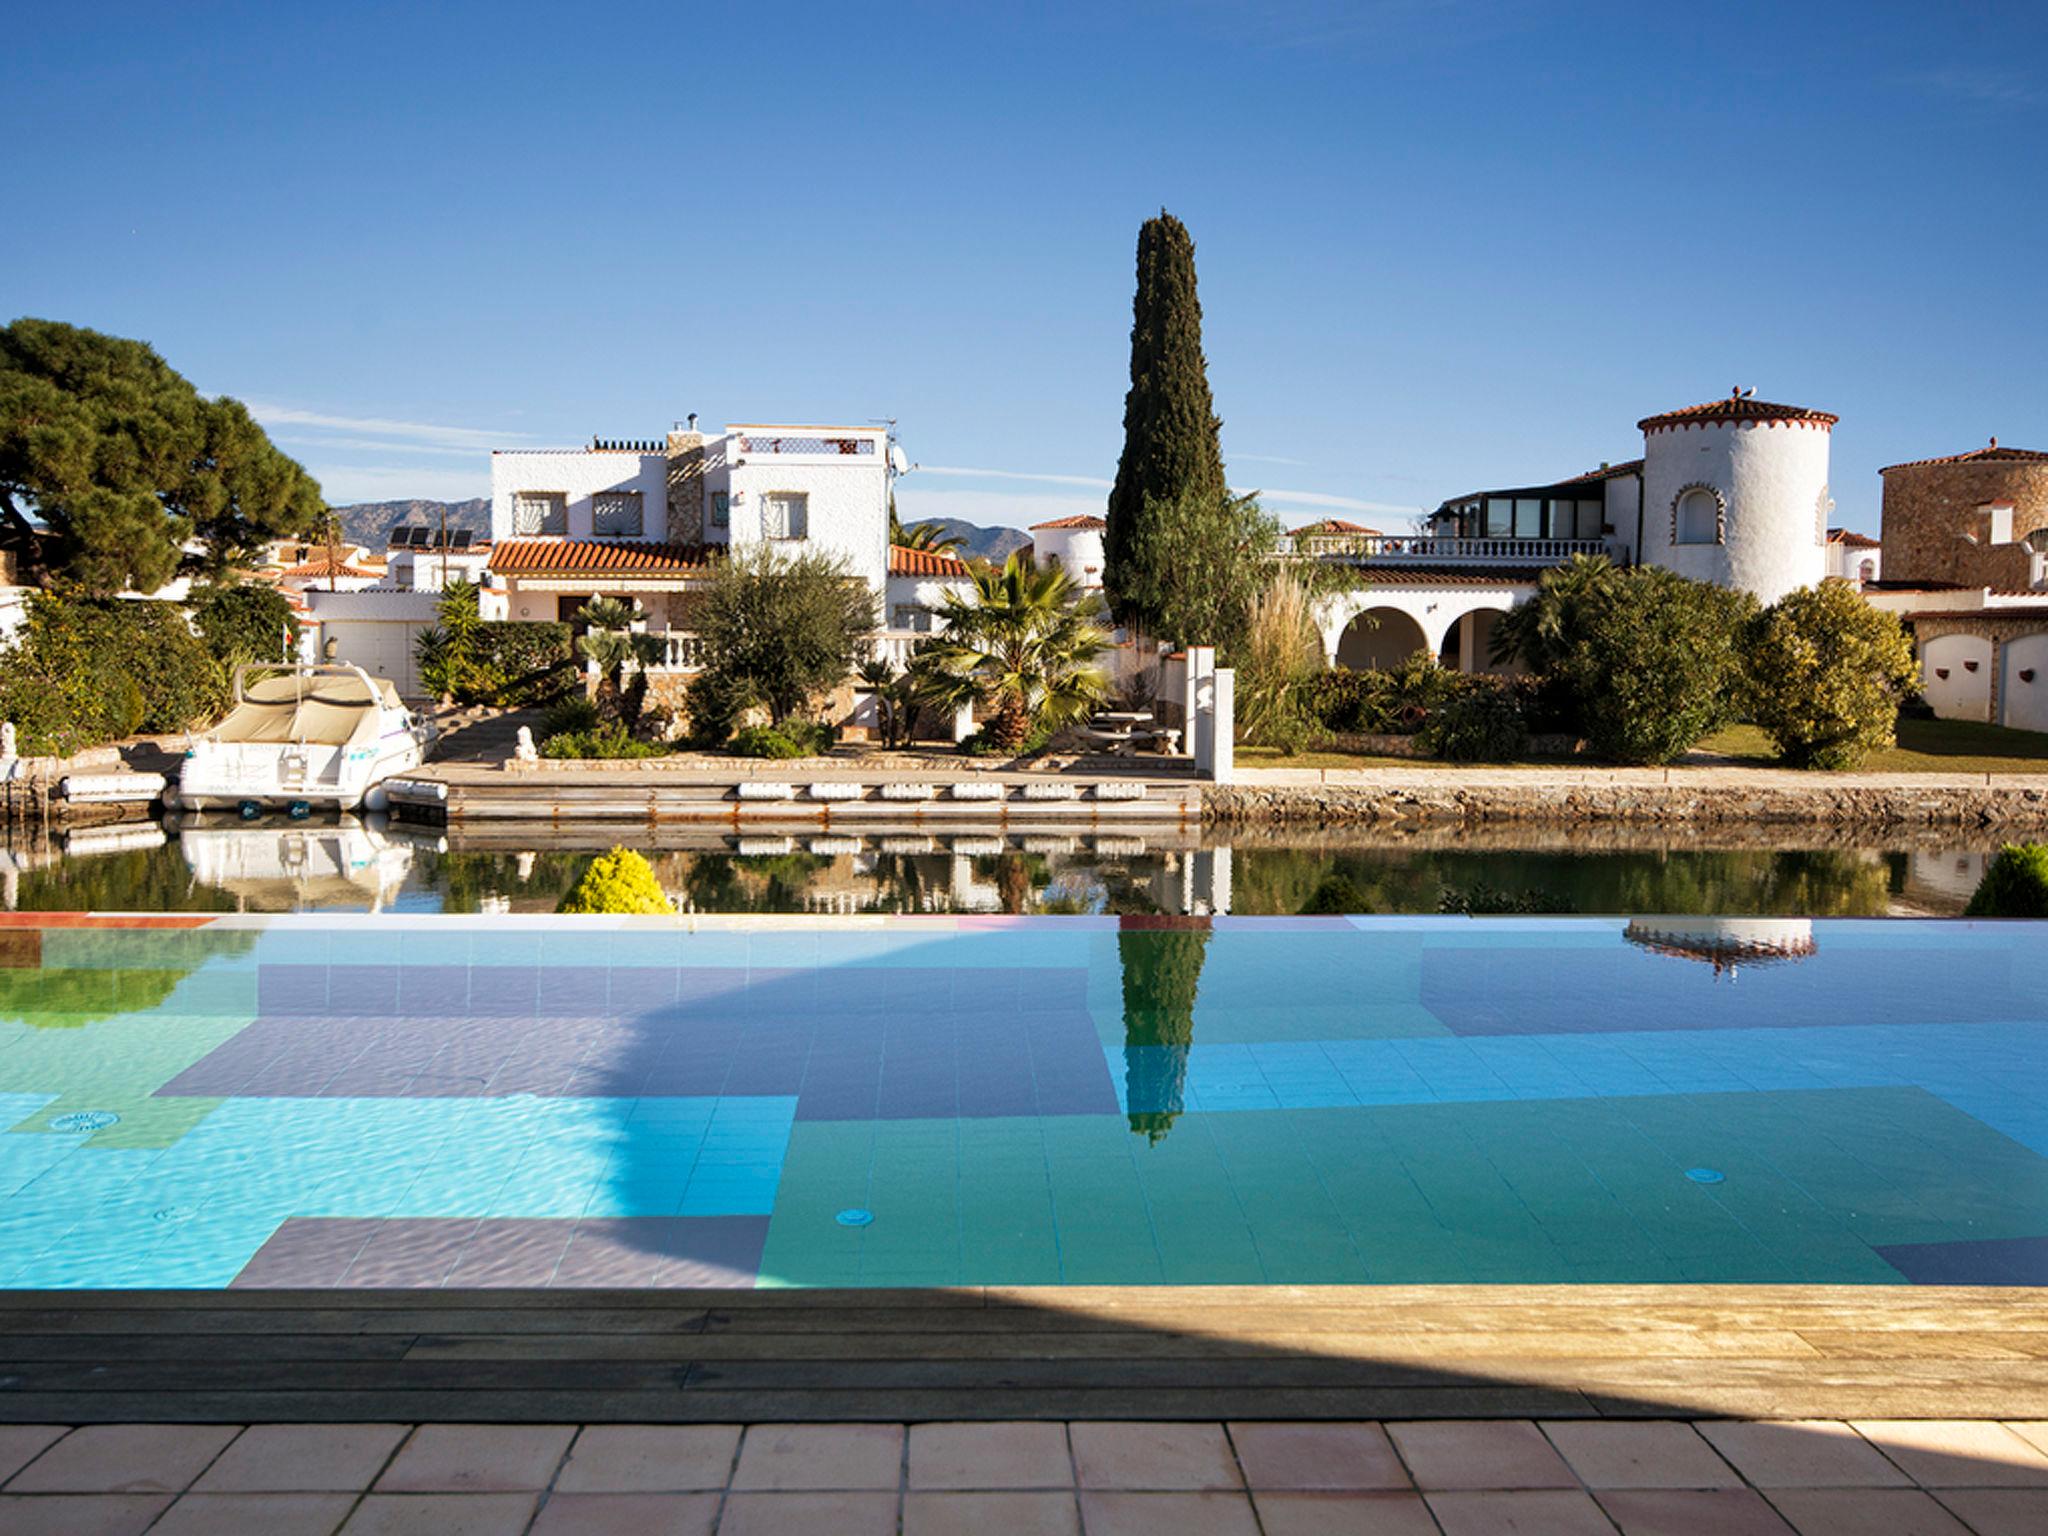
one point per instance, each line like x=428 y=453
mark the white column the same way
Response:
x=963 y=722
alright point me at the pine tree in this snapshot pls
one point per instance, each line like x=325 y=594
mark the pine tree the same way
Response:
x=1172 y=448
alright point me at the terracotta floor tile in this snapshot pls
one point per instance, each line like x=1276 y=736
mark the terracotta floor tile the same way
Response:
x=809 y=1514
x=1801 y=1453
x=1317 y=1456
x=21 y=1444
x=1649 y=1454
x=1480 y=1454
x=1958 y=1453
x=802 y=1456
x=125 y=1458
x=649 y=1458
x=102 y=1514
x=996 y=1456
x=1999 y=1511
x=256 y=1514
x=1344 y=1514
x=984 y=1514
x=1521 y=1512
x=478 y=1458
x=1154 y=1456
x=441 y=1514
x=628 y=1514
x=303 y=1458
x=1167 y=1514
x=1865 y=1512
x=1692 y=1512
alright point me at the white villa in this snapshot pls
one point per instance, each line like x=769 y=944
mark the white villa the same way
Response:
x=1733 y=491
x=1074 y=545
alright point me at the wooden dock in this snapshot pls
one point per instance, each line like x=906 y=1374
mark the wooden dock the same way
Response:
x=1076 y=1353
x=777 y=794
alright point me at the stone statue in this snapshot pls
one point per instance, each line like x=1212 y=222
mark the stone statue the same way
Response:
x=526 y=751
x=7 y=739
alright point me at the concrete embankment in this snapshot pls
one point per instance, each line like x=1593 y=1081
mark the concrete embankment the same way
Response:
x=1674 y=796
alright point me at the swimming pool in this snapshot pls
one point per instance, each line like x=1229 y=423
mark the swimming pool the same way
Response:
x=930 y=1101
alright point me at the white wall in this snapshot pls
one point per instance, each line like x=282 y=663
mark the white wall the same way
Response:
x=1846 y=560
x=1622 y=495
x=2023 y=702
x=578 y=473
x=1773 y=478
x=848 y=494
x=1078 y=550
x=919 y=591
x=1965 y=693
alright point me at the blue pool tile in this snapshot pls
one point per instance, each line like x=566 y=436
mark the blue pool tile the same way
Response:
x=1997 y=1261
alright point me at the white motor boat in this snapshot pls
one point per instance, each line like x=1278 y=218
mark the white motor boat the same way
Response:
x=322 y=735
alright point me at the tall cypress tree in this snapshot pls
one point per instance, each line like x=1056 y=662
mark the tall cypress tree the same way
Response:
x=1173 y=452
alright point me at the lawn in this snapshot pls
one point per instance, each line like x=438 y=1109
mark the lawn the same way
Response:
x=1925 y=746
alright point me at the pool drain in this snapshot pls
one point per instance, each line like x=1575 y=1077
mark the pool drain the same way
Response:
x=1705 y=1175
x=854 y=1216
x=86 y=1120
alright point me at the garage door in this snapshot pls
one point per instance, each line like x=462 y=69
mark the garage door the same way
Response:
x=381 y=647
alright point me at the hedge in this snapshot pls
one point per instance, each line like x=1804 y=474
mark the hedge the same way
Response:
x=83 y=671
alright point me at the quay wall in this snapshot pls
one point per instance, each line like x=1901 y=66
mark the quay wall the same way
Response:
x=1393 y=798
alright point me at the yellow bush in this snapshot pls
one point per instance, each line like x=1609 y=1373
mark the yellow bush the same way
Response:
x=617 y=882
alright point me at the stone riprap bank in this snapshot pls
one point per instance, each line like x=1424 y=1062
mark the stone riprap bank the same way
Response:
x=1350 y=797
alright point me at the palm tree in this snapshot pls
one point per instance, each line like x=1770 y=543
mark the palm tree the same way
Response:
x=1026 y=642
x=1535 y=632
x=878 y=675
x=611 y=644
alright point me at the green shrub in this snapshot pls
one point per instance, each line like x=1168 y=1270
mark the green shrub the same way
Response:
x=1334 y=897
x=570 y=713
x=607 y=740
x=763 y=741
x=1654 y=661
x=619 y=882
x=245 y=623
x=1480 y=724
x=1826 y=672
x=1376 y=702
x=525 y=663
x=979 y=744
x=2016 y=884
x=83 y=671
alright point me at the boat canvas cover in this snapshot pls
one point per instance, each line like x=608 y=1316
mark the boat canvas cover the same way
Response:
x=324 y=711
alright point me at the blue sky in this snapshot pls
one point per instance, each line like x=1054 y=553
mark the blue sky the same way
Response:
x=1443 y=244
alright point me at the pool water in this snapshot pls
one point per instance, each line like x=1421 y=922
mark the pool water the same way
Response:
x=408 y=1101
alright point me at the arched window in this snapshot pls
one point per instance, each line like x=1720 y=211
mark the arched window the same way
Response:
x=1696 y=519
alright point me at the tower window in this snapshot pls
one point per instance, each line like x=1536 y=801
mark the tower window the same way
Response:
x=1696 y=517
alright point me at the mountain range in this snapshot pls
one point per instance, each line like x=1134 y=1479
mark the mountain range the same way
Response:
x=369 y=523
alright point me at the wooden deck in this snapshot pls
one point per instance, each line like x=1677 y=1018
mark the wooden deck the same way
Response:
x=1081 y=1353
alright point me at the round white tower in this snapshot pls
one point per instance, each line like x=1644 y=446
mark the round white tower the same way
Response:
x=1074 y=544
x=1736 y=492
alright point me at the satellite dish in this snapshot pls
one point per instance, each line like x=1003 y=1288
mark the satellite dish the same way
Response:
x=898 y=460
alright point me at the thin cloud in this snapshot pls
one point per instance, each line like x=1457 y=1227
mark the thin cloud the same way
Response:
x=1266 y=458
x=345 y=484
x=373 y=445
x=1319 y=500
x=472 y=438
x=1985 y=87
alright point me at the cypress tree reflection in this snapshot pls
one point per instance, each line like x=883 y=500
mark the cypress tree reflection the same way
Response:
x=1162 y=970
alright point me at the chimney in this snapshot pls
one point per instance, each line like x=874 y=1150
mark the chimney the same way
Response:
x=686 y=484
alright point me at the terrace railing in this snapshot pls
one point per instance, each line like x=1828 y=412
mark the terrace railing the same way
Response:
x=1430 y=549
x=683 y=650
x=761 y=443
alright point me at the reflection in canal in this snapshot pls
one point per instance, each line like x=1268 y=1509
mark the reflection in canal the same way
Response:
x=369 y=865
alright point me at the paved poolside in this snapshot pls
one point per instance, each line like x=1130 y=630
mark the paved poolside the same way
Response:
x=1475 y=1478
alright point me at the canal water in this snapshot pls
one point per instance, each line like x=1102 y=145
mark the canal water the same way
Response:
x=372 y=865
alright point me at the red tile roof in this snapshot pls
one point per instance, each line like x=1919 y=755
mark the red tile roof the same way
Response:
x=1332 y=525
x=321 y=569
x=1992 y=455
x=925 y=562
x=598 y=557
x=1083 y=520
x=1852 y=539
x=1611 y=472
x=1736 y=408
